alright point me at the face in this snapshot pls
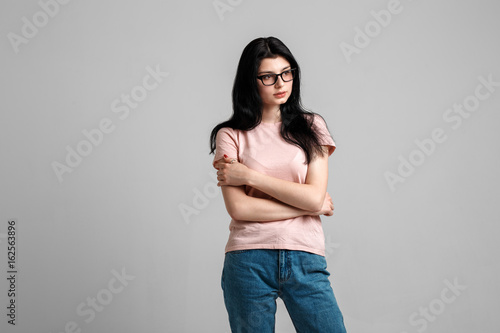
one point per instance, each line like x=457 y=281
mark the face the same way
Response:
x=278 y=93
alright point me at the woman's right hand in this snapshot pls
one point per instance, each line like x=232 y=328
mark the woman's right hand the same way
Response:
x=327 y=208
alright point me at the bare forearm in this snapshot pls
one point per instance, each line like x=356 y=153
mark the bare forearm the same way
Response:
x=262 y=210
x=246 y=208
x=303 y=196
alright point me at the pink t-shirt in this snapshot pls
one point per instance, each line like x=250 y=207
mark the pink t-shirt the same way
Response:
x=264 y=150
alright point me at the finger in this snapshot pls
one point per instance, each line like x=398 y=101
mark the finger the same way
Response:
x=222 y=165
x=230 y=160
x=219 y=161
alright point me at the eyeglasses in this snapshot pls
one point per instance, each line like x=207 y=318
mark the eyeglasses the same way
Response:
x=270 y=79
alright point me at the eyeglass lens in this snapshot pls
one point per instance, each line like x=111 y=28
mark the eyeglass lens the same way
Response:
x=270 y=79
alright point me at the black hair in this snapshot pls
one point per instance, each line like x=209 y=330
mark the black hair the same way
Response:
x=296 y=122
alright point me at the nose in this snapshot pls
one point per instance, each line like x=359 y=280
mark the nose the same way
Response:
x=279 y=82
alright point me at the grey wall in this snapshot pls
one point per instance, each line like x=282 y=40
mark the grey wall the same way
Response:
x=106 y=173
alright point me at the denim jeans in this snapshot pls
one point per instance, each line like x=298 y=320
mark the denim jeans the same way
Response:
x=253 y=279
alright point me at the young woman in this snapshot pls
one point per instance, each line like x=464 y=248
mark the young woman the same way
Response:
x=272 y=162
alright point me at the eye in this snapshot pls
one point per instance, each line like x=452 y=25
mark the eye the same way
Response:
x=267 y=77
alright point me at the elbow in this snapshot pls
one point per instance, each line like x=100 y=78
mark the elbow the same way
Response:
x=234 y=215
x=316 y=203
x=315 y=207
x=232 y=212
x=235 y=211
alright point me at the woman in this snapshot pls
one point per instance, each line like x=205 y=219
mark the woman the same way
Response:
x=272 y=162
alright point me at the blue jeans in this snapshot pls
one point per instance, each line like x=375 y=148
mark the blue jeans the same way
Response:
x=253 y=279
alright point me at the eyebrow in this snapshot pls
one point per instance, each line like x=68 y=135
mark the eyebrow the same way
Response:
x=272 y=72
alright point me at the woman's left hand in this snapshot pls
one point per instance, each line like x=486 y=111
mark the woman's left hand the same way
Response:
x=231 y=172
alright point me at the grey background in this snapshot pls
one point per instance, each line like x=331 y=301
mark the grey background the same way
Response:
x=390 y=251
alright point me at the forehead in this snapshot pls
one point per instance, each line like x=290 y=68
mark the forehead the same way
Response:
x=273 y=64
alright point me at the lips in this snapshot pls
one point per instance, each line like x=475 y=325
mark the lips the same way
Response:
x=280 y=94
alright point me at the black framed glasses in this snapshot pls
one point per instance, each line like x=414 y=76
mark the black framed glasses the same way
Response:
x=270 y=79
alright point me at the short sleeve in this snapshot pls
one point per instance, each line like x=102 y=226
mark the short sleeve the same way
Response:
x=226 y=143
x=319 y=126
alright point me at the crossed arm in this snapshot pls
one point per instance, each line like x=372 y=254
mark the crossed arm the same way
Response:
x=290 y=199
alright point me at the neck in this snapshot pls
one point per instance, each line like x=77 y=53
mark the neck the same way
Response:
x=271 y=114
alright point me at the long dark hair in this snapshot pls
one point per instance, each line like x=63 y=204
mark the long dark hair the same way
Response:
x=296 y=122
